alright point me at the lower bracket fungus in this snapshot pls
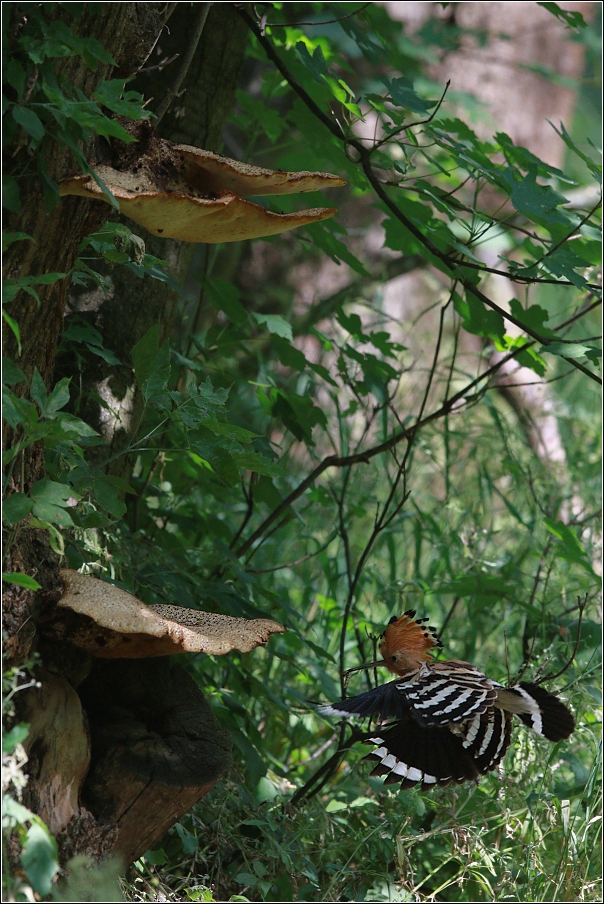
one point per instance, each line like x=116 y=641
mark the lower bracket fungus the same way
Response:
x=107 y=622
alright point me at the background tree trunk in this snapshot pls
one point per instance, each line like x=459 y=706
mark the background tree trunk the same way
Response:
x=137 y=753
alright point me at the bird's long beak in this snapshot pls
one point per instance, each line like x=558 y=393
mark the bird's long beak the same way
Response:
x=367 y=665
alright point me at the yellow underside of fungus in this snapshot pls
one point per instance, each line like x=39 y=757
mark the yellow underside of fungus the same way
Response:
x=116 y=624
x=181 y=192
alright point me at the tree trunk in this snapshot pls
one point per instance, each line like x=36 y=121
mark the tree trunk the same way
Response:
x=117 y=759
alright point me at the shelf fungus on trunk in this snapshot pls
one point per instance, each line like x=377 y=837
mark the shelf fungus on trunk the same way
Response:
x=126 y=743
x=110 y=623
x=181 y=192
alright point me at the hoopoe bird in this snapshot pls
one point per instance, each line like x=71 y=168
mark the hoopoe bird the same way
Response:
x=452 y=723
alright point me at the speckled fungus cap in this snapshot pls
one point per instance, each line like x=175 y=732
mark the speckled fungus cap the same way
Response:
x=114 y=624
x=186 y=193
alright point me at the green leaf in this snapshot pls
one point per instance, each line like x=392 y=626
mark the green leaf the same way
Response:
x=37 y=389
x=569 y=349
x=108 y=496
x=275 y=324
x=30 y=121
x=224 y=296
x=144 y=354
x=112 y=94
x=21 y=580
x=539 y=202
x=10 y=372
x=14 y=326
x=298 y=413
x=402 y=93
x=253 y=461
x=15 y=736
x=16 y=507
x=573 y=19
x=58 y=398
x=288 y=354
x=223 y=428
x=50 y=501
x=11 y=198
x=324 y=239
x=570 y=547
x=39 y=857
x=46 y=490
x=9 y=237
x=534 y=317
x=152 y=367
x=478 y=319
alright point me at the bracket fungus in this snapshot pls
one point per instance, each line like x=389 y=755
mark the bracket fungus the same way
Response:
x=110 y=623
x=181 y=192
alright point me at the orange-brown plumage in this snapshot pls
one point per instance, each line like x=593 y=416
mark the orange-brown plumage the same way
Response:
x=407 y=642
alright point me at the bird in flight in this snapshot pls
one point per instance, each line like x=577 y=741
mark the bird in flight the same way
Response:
x=451 y=722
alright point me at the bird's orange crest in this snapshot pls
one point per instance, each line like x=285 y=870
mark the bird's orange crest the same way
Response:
x=409 y=636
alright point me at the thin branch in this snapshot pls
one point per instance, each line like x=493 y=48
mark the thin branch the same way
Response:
x=365 y=162
x=322 y=775
x=196 y=32
x=581 y=604
x=249 y=498
x=403 y=128
x=310 y=555
x=326 y=22
x=568 y=235
x=335 y=461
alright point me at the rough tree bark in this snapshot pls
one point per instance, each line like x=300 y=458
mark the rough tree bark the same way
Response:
x=117 y=752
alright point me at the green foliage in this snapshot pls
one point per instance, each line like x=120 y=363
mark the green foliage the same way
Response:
x=329 y=463
x=41 y=103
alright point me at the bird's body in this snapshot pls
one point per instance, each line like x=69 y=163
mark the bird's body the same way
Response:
x=452 y=723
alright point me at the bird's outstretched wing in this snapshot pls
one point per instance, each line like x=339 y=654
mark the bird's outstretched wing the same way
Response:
x=435 y=696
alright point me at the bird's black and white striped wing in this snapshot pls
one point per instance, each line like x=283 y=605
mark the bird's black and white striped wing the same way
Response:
x=448 y=692
x=435 y=696
x=412 y=754
x=384 y=702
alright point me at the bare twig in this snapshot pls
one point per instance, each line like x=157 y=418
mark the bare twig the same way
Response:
x=581 y=604
x=335 y=461
x=326 y=22
x=405 y=126
x=310 y=555
x=365 y=162
x=198 y=26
